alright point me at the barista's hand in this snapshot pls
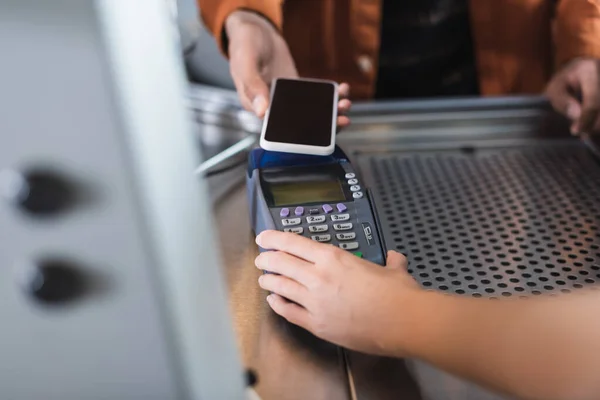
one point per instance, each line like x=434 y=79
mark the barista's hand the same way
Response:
x=257 y=55
x=575 y=92
x=339 y=297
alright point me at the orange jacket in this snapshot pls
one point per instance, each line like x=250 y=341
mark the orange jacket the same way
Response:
x=518 y=43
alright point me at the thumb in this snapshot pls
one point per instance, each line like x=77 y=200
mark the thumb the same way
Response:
x=251 y=87
x=564 y=102
x=572 y=109
x=573 y=113
x=257 y=92
x=396 y=260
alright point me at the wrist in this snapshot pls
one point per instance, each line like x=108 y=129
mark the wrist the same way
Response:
x=241 y=17
x=427 y=317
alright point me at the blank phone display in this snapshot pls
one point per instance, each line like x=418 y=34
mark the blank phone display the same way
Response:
x=301 y=112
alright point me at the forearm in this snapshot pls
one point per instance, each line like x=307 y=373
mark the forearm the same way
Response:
x=537 y=349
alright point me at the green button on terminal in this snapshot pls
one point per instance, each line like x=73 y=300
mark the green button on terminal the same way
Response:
x=358 y=254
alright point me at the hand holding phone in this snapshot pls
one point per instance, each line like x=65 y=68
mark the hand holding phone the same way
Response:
x=302 y=117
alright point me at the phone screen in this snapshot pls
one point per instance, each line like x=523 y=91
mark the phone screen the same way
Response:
x=301 y=112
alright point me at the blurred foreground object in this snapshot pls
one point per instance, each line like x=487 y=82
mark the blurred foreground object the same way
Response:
x=118 y=296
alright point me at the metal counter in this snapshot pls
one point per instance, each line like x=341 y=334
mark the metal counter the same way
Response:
x=292 y=364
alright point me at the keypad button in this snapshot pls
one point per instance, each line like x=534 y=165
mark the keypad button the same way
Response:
x=350 y=175
x=341 y=207
x=352 y=181
x=314 y=211
x=321 y=238
x=327 y=208
x=316 y=219
x=299 y=230
x=340 y=217
x=357 y=195
x=299 y=211
x=354 y=188
x=291 y=221
x=346 y=236
x=343 y=227
x=284 y=212
x=349 y=246
x=318 y=228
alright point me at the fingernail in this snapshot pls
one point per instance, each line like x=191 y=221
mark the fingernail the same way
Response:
x=259 y=104
x=258 y=239
x=260 y=278
x=270 y=298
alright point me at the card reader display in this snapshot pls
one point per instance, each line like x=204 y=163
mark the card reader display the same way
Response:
x=321 y=199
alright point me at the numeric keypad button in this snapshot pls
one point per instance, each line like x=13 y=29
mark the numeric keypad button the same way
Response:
x=299 y=230
x=343 y=227
x=321 y=238
x=291 y=221
x=340 y=217
x=345 y=236
x=349 y=246
x=318 y=228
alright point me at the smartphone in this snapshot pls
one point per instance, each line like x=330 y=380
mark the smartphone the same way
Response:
x=302 y=117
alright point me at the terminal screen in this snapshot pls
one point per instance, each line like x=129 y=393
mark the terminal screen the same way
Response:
x=289 y=193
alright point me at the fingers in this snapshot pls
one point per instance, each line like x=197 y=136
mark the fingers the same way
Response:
x=285 y=264
x=284 y=286
x=563 y=102
x=290 y=311
x=396 y=260
x=344 y=90
x=343 y=107
x=253 y=93
x=291 y=243
x=343 y=121
x=590 y=96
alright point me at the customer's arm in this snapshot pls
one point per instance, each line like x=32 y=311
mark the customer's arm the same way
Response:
x=540 y=348
x=575 y=88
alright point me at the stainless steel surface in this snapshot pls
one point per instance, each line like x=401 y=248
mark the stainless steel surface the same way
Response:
x=224 y=130
x=495 y=221
x=240 y=148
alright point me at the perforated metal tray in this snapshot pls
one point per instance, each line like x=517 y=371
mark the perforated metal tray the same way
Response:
x=492 y=221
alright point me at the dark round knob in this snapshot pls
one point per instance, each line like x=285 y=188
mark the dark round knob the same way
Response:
x=53 y=281
x=251 y=378
x=36 y=191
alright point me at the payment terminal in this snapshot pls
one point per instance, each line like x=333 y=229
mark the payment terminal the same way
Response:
x=319 y=197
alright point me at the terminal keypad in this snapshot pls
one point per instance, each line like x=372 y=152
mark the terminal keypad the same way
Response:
x=327 y=223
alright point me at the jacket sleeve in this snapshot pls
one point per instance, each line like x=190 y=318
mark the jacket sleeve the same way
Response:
x=215 y=12
x=577 y=30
